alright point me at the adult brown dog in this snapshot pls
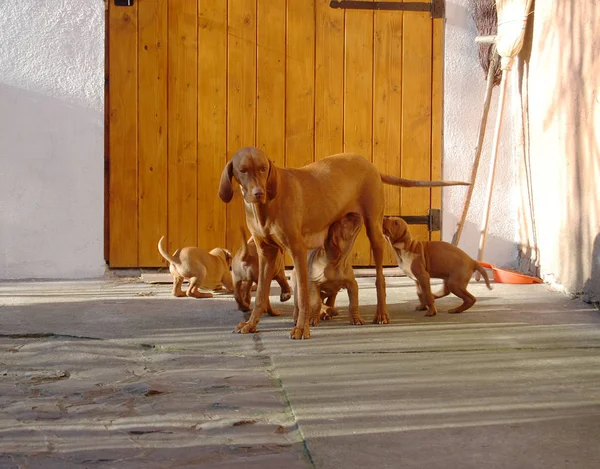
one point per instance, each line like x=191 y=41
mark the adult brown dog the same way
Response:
x=206 y=270
x=293 y=208
x=330 y=270
x=423 y=260
x=244 y=271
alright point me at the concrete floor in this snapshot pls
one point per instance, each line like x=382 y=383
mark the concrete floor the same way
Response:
x=119 y=374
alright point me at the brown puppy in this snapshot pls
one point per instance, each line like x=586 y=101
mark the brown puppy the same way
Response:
x=330 y=270
x=206 y=270
x=244 y=271
x=293 y=208
x=422 y=260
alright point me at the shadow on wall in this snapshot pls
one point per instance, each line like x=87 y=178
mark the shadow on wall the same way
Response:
x=568 y=67
x=498 y=251
x=51 y=187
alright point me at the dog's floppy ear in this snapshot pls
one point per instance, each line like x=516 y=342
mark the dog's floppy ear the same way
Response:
x=332 y=242
x=225 y=187
x=272 y=181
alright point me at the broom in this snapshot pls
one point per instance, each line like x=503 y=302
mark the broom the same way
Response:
x=486 y=22
x=512 y=20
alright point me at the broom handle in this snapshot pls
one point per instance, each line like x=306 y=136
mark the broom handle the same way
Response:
x=480 y=138
x=495 y=144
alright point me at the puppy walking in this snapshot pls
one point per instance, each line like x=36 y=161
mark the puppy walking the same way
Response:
x=422 y=260
x=206 y=270
x=244 y=270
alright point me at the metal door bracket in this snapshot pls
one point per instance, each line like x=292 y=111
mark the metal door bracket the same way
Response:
x=433 y=220
x=436 y=7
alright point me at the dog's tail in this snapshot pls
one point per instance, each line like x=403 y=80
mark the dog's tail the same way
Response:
x=483 y=273
x=396 y=181
x=244 y=244
x=165 y=254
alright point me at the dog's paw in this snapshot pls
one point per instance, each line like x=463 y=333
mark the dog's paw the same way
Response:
x=273 y=312
x=285 y=296
x=245 y=328
x=420 y=308
x=331 y=311
x=300 y=333
x=382 y=318
x=454 y=311
x=431 y=312
x=356 y=321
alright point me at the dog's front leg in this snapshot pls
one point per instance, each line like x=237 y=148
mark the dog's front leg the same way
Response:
x=353 y=314
x=302 y=327
x=267 y=255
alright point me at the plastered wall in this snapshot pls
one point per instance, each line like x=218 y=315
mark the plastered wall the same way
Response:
x=51 y=138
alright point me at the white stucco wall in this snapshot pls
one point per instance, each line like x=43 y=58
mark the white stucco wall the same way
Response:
x=51 y=138
x=464 y=90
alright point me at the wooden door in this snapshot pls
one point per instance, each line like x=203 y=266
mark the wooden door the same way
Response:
x=192 y=81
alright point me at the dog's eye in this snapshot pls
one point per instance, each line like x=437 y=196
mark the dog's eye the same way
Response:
x=263 y=169
x=243 y=170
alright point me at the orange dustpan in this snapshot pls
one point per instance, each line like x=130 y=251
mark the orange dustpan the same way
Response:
x=509 y=276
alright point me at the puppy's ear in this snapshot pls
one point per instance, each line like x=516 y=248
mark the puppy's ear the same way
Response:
x=225 y=187
x=272 y=181
x=332 y=242
x=228 y=257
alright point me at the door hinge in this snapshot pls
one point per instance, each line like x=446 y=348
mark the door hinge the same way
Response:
x=435 y=7
x=123 y=3
x=433 y=220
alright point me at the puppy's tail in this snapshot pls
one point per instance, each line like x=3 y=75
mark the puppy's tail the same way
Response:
x=483 y=273
x=164 y=253
x=396 y=181
x=244 y=244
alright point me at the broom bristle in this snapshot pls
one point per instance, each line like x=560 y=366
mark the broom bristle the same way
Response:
x=486 y=21
x=512 y=16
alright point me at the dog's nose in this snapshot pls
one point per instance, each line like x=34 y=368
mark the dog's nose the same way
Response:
x=258 y=192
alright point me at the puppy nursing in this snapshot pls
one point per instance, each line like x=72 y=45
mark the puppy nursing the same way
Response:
x=202 y=269
x=422 y=260
x=244 y=269
x=330 y=269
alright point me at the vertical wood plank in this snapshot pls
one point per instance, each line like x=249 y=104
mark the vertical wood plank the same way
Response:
x=416 y=115
x=437 y=102
x=300 y=81
x=241 y=103
x=182 y=123
x=329 y=80
x=212 y=121
x=152 y=121
x=270 y=113
x=123 y=195
x=358 y=101
x=387 y=105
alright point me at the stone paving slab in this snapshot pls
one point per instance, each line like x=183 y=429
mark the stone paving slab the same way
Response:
x=119 y=374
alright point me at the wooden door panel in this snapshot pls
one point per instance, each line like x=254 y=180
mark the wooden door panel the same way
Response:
x=182 y=113
x=212 y=120
x=123 y=135
x=241 y=106
x=387 y=105
x=152 y=130
x=191 y=82
x=329 y=80
x=416 y=115
x=358 y=116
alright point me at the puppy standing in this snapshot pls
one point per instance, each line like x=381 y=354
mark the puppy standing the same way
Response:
x=206 y=270
x=244 y=270
x=422 y=260
x=330 y=270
